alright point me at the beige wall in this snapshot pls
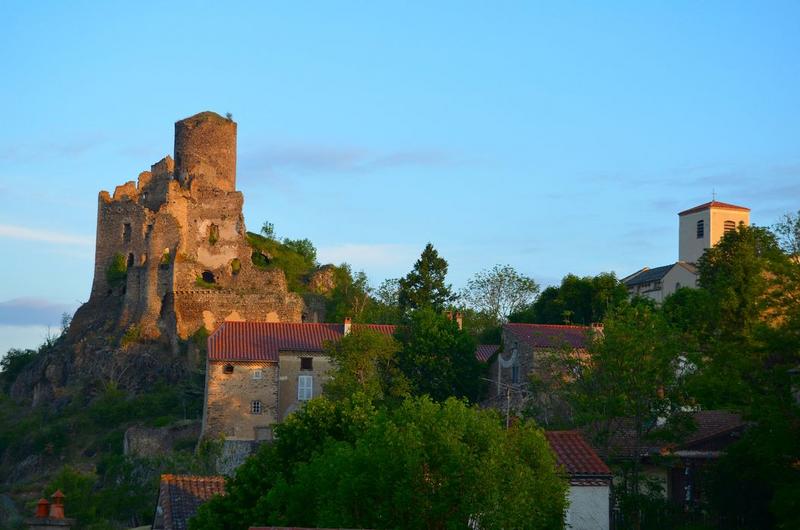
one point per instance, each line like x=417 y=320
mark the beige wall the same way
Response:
x=690 y=248
x=660 y=290
x=229 y=396
x=289 y=373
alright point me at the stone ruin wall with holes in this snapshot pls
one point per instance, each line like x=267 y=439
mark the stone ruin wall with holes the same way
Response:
x=180 y=223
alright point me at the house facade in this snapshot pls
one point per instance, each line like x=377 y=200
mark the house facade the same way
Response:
x=257 y=373
x=589 y=491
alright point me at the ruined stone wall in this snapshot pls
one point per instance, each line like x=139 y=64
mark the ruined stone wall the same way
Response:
x=227 y=409
x=182 y=233
x=205 y=152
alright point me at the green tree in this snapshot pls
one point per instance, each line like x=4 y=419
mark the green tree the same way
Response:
x=438 y=358
x=13 y=364
x=268 y=230
x=787 y=231
x=365 y=361
x=630 y=379
x=350 y=296
x=575 y=301
x=499 y=292
x=384 y=304
x=304 y=247
x=421 y=465
x=425 y=285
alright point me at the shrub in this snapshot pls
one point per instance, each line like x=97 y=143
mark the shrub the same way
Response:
x=117 y=270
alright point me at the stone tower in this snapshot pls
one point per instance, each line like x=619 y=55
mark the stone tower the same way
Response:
x=702 y=227
x=178 y=235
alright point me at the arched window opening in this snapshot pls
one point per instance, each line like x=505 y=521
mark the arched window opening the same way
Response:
x=126 y=233
x=700 y=229
x=228 y=369
x=131 y=260
x=730 y=226
x=208 y=277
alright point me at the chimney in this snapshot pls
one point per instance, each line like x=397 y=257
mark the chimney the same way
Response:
x=57 y=508
x=347 y=325
x=597 y=328
x=50 y=516
x=42 y=509
x=460 y=320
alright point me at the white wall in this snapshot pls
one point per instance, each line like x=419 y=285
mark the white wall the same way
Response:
x=588 y=508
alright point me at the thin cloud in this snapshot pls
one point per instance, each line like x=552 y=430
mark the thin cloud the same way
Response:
x=321 y=158
x=366 y=256
x=48 y=236
x=32 y=312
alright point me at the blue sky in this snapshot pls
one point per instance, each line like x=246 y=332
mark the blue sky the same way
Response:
x=553 y=137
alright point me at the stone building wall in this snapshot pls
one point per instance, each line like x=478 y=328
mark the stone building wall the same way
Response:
x=227 y=409
x=290 y=370
x=181 y=231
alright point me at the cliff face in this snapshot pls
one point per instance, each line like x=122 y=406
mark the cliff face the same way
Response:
x=171 y=258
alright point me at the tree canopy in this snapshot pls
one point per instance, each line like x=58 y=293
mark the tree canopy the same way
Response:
x=421 y=465
x=499 y=292
x=425 y=285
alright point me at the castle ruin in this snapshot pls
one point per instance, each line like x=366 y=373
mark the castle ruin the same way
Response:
x=178 y=238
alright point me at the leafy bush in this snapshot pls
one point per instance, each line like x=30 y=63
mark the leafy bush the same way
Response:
x=294 y=264
x=117 y=270
x=12 y=364
x=236 y=266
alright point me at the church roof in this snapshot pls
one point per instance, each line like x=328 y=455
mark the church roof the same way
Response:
x=262 y=341
x=714 y=204
x=655 y=274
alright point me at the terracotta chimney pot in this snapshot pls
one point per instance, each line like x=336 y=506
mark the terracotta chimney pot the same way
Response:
x=347 y=325
x=57 y=508
x=42 y=509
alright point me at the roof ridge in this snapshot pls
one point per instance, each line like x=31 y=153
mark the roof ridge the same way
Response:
x=581 y=326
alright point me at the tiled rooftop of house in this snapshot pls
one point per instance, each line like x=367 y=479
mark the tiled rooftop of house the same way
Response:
x=181 y=495
x=262 y=341
x=578 y=457
x=549 y=335
x=484 y=352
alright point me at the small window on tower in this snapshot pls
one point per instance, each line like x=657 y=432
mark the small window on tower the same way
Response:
x=730 y=226
x=700 y=229
x=126 y=233
x=131 y=260
x=306 y=363
x=255 y=407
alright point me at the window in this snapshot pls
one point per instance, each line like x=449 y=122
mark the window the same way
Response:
x=700 y=228
x=306 y=363
x=730 y=226
x=255 y=407
x=126 y=233
x=258 y=374
x=208 y=277
x=228 y=369
x=131 y=260
x=305 y=388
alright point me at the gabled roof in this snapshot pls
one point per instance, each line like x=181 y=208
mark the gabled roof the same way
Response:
x=709 y=424
x=262 y=341
x=575 y=454
x=549 y=335
x=180 y=496
x=714 y=204
x=656 y=274
x=484 y=352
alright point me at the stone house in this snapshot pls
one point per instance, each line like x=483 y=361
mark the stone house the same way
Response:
x=676 y=468
x=257 y=373
x=524 y=368
x=589 y=491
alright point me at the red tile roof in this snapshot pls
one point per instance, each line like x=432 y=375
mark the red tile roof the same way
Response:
x=262 y=341
x=180 y=496
x=714 y=204
x=549 y=335
x=484 y=352
x=576 y=455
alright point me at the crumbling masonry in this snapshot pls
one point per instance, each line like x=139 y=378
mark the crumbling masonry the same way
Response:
x=181 y=235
